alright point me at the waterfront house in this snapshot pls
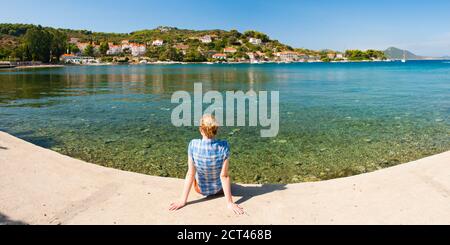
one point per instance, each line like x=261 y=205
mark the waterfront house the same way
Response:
x=287 y=56
x=138 y=49
x=114 y=49
x=313 y=57
x=125 y=44
x=339 y=56
x=219 y=56
x=331 y=55
x=158 y=43
x=230 y=50
x=206 y=39
x=255 y=41
x=77 y=60
x=251 y=56
x=182 y=47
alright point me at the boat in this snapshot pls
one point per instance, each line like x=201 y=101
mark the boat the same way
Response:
x=404 y=57
x=6 y=65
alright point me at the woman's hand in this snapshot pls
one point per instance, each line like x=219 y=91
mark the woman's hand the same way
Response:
x=176 y=206
x=235 y=208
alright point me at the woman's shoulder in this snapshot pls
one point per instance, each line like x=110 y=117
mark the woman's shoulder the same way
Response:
x=195 y=142
x=223 y=143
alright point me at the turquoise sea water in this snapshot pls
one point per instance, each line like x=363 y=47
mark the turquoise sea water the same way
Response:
x=337 y=119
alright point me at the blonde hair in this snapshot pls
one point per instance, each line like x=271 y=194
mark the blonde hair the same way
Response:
x=209 y=126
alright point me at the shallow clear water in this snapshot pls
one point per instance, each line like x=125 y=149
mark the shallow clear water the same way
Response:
x=336 y=119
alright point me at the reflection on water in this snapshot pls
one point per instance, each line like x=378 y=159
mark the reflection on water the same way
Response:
x=336 y=119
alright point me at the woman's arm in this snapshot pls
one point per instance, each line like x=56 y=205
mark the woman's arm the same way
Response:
x=226 y=185
x=187 y=187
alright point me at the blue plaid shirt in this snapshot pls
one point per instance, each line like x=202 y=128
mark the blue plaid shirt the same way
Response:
x=208 y=157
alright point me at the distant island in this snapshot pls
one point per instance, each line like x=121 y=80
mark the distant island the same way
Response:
x=34 y=43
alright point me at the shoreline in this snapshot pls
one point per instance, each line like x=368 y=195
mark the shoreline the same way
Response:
x=39 y=186
x=204 y=63
x=38 y=66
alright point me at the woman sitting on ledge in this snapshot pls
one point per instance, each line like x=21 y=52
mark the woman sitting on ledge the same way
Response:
x=208 y=166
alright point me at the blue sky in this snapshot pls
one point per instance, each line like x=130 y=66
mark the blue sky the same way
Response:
x=418 y=25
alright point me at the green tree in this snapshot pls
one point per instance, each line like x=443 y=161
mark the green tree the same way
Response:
x=104 y=47
x=73 y=49
x=58 y=44
x=89 y=50
x=43 y=45
x=170 y=54
x=38 y=42
x=194 y=55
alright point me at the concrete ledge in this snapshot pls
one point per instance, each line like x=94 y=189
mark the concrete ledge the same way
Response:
x=39 y=186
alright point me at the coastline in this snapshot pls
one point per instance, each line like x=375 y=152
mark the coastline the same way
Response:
x=38 y=66
x=39 y=186
x=206 y=63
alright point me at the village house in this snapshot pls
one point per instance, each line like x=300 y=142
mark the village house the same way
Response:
x=303 y=57
x=255 y=41
x=313 y=58
x=125 y=44
x=182 y=47
x=230 y=50
x=77 y=60
x=287 y=56
x=206 y=39
x=219 y=56
x=138 y=49
x=114 y=49
x=331 y=55
x=158 y=43
x=339 y=56
x=251 y=56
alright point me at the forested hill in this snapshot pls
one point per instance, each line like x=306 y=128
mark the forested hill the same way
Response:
x=14 y=38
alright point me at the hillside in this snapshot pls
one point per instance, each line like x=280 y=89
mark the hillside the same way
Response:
x=15 y=35
x=398 y=54
x=46 y=44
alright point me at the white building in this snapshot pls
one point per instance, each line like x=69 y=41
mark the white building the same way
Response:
x=251 y=56
x=158 y=43
x=230 y=50
x=206 y=39
x=114 y=49
x=125 y=45
x=138 y=49
x=219 y=56
x=77 y=60
x=255 y=41
x=339 y=56
x=287 y=56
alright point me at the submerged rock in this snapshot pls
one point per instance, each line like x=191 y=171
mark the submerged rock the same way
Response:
x=280 y=141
